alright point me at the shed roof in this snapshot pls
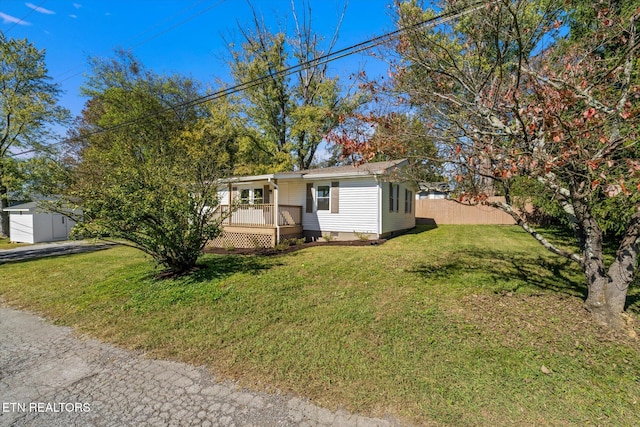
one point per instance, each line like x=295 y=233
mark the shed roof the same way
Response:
x=24 y=207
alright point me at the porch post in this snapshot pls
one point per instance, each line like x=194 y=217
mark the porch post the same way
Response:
x=276 y=209
x=230 y=200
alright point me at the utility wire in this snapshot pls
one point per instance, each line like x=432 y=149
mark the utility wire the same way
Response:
x=321 y=60
x=33 y=9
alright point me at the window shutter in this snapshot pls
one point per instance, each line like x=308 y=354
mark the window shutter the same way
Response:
x=408 y=195
x=265 y=194
x=390 y=197
x=309 y=198
x=234 y=194
x=406 y=201
x=407 y=206
x=335 y=197
x=394 y=197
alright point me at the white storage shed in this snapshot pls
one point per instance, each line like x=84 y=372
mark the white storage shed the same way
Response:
x=30 y=224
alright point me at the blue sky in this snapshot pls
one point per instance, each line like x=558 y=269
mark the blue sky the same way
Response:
x=171 y=35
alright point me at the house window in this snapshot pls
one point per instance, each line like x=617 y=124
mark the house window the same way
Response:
x=394 y=194
x=254 y=197
x=322 y=197
x=258 y=196
x=408 y=201
x=245 y=196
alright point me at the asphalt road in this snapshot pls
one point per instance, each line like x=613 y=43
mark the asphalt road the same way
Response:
x=67 y=247
x=50 y=377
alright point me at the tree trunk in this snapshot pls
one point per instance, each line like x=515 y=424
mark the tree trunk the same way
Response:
x=4 y=216
x=4 y=219
x=606 y=297
x=607 y=288
x=622 y=272
x=4 y=203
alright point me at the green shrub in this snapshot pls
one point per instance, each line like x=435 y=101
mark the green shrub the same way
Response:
x=363 y=237
x=328 y=237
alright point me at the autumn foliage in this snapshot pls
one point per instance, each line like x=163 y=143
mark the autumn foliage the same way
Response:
x=544 y=94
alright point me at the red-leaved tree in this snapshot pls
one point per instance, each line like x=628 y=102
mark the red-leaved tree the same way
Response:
x=545 y=92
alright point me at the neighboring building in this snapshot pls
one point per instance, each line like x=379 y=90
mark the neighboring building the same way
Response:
x=29 y=224
x=343 y=202
x=433 y=190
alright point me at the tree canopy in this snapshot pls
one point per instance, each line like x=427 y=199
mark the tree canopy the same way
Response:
x=28 y=107
x=152 y=182
x=286 y=116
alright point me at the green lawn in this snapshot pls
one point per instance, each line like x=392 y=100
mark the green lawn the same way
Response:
x=458 y=325
x=6 y=244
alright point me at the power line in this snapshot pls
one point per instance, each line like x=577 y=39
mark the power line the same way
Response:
x=33 y=9
x=321 y=60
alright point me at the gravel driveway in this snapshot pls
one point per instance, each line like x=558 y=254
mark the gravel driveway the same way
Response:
x=49 y=377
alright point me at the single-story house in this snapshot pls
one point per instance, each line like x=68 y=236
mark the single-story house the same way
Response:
x=30 y=224
x=337 y=203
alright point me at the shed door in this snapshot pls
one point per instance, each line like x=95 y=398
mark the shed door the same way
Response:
x=59 y=226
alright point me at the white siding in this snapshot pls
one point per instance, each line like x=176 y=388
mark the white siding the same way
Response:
x=395 y=221
x=62 y=226
x=292 y=193
x=363 y=204
x=21 y=227
x=34 y=226
x=43 y=227
x=223 y=195
x=358 y=200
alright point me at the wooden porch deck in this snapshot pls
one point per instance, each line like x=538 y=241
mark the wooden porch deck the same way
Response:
x=253 y=226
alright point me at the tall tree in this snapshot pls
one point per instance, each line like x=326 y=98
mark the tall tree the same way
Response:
x=530 y=90
x=288 y=116
x=28 y=105
x=147 y=167
x=380 y=136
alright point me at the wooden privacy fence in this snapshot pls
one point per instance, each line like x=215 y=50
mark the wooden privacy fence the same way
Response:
x=441 y=211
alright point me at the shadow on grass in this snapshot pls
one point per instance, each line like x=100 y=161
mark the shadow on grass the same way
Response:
x=203 y=285
x=215 y=267
x=519 y=270
x=633 y=297
x=418 y=229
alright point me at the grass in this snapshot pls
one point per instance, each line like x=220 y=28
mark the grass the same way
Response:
x=457 y=325
x=6 y=244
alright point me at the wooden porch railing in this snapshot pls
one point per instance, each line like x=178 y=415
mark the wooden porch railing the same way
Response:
x=289 y=215
x=261 y=215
